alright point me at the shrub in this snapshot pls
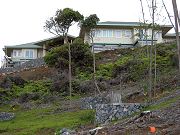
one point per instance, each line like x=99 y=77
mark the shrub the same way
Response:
x=7 y=82
x=81 y=56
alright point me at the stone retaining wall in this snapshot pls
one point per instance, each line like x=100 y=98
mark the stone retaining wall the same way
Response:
x=4 y=116
x=108 y=112
x=91 y=102
x=27 y=65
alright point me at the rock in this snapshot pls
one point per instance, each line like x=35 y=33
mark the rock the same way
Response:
x=107 y=112
x=4 y=116
x=94 y=131
x=65 y=131
x=91 y=102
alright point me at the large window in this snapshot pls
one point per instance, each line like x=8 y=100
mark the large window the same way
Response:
x=157 y=35
x=107 y=33
x=29 y=53
x=110 y=33
x=141 y=34
x=16 y=53
x=118 y=33
x=98 y=33
x=128 y=33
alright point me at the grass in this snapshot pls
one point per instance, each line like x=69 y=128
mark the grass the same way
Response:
x=162 y=105
x=32 y=122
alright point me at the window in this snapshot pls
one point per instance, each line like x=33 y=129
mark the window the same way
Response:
x=110 y=33
x=29 y=54
x=98 y=33
x=141 y=34
x=157 y=35
x=16 y=53
x=107 y=33
x=118 y=33
x=128 y=33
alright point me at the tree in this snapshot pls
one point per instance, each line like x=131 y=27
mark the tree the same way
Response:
x=155 y=17
x=89 y=24
x=81 y=56
x=176 y=18
x=59 y=25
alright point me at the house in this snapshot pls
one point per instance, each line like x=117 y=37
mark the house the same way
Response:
x=17 y=54
x=170 y=37
x=113 y=35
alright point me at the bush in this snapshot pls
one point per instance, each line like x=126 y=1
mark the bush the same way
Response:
x=60 y=83
x=81 y=56
x=33 y=90
x=7 y=82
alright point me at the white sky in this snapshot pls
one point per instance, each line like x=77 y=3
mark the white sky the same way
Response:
x=22 y=21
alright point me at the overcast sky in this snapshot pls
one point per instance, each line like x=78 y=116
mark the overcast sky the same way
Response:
x=22 y=21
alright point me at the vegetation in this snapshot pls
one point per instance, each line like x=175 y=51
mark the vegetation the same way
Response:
x=80 y=52
x=134 y=63
x=130 y=64
x=88 y=25
x=43 y=120
x=59 y=25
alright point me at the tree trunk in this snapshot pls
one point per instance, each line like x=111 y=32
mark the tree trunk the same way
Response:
x=94 y=67
x=155 y=57
x=150 y=57
x=69 y=72
x=176 y=29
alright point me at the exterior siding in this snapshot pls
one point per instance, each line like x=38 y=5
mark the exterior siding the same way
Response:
x=34 y=53
x=112 y=40
x=39 y=53
x=23 y=54
x=107 y=39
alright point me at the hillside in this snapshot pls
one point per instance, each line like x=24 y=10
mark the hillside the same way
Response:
x=39 y=97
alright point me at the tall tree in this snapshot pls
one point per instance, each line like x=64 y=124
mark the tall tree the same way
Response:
x=59 y=25
x=154 y=14
x=176 y=28
x=89 y=24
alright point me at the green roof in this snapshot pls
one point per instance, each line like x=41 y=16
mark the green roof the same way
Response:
x=119 y=23
x=131 y=24
x=37 y=44
x=28 y=45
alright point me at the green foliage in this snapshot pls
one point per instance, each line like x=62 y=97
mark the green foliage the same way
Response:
x=134 y=63
x=63 y=19
x=105 y=70
x=32 y=122
x=90 y=22
x=123 y=60
x=80 y=54
x=162 y=105
x=42 y=87
x=5 y=95
x=83 y=75
x=58 y=57
x=88 y=117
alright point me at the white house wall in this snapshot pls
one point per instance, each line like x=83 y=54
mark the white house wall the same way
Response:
x=123 y=39
x=34 y=53
x=113 y=39
x=23 y=54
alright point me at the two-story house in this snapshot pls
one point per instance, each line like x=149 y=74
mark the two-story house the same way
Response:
x=113 y=35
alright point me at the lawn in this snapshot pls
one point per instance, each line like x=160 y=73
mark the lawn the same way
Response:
x=44 y=121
